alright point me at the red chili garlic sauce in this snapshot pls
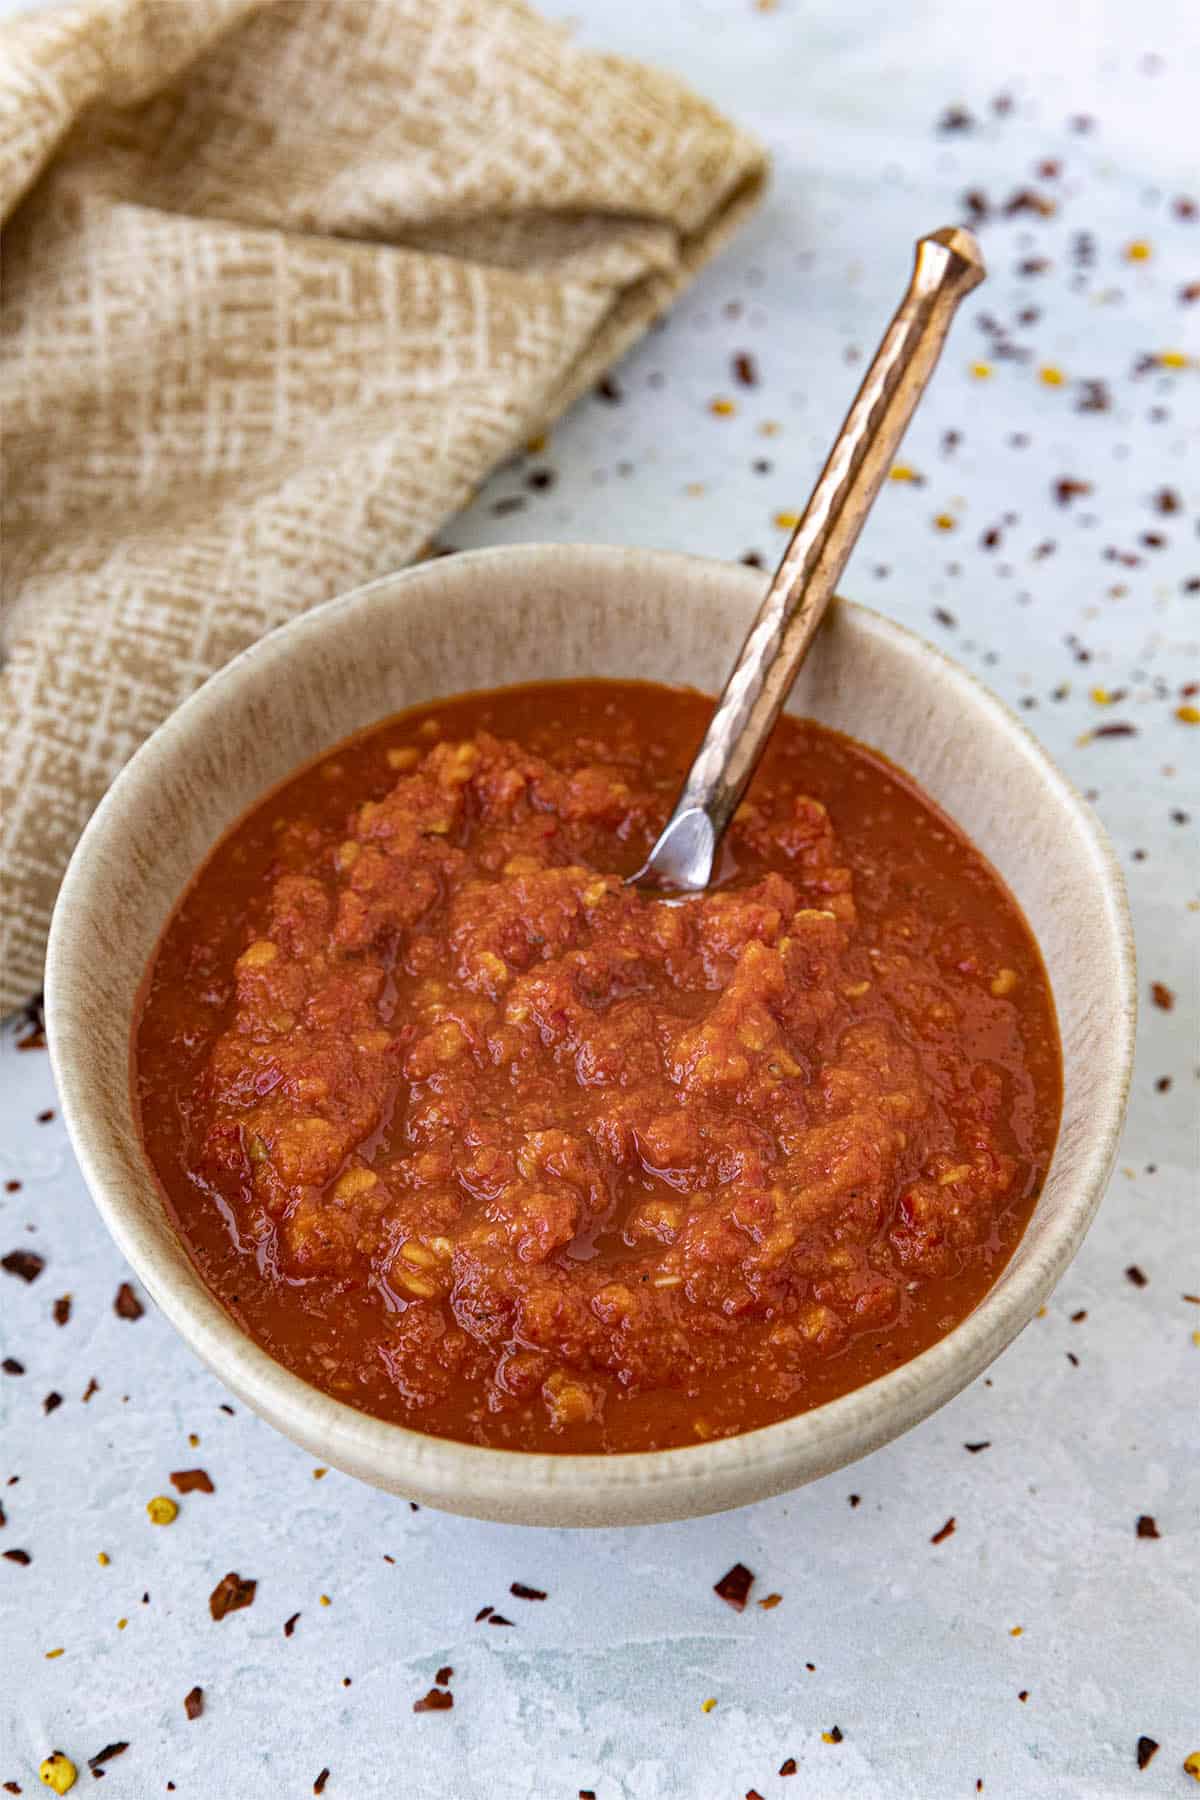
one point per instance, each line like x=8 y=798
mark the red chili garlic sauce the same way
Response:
x=471 y=1136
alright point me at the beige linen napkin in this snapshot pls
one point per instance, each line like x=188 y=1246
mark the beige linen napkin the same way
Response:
x=281 y=282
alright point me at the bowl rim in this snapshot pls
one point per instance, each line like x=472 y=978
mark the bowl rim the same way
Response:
x=548 y=1486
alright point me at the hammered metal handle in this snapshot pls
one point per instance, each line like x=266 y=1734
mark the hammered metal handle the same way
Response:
x=948 y=265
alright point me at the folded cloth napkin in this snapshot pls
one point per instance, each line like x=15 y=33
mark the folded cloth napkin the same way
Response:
x=281 y=283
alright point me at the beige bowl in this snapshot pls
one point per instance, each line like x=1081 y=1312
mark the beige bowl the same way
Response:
x=539 y=612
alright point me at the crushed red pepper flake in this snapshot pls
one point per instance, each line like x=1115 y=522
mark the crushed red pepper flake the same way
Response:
x=93 y=1387
x=193 y=1702
x=435 y=1701
x=484 y=1613
x=289 y=1625
x=44 y=1118
x=1068 y=488
x=1147 y=1749
x=61 y=1309
x=107 y=1754
x=753 y=1794
x=52 y=1402
x=1077 y=1318
x=855 y=1499
x=444 y=1676
x=788 y=1766
x=980 y=1444
x=834 y=1735
x=127 y=1305
x=770 y=1601
x=519 y=1590
x=192 y=1481
x=26 y=1265
x=495 y=1618
x=745 y=369
x=231 y=1593
x=1147 y=1526
x=319 y=1783
x=1094 y=396
x=947 y=1530
x=1162 y=996
x=956 y=118
x=11 y=1366
x=21 y=1557
x=1134 y=1274
x=1028 y=200
x=734 y=1586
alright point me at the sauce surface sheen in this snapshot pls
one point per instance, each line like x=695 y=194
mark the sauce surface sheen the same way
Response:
x=476 y=1139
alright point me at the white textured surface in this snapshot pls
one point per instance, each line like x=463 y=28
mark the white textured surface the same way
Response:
x=600 y=1686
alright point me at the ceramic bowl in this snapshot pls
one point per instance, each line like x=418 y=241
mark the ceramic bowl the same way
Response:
x=532 y=613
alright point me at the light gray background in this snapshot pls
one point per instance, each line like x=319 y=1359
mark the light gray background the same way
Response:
x=601 y=1685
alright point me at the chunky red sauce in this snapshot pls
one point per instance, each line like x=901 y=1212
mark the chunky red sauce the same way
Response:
x=473 y=1137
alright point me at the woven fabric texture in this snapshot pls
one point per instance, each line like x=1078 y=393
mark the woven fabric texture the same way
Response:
x=281 y=283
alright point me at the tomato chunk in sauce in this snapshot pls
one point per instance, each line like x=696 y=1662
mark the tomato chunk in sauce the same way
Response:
x=476 y=1138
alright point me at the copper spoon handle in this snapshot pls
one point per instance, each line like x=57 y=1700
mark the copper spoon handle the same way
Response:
x=948 y=265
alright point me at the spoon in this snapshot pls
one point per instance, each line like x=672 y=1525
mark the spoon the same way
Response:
x=948 y=265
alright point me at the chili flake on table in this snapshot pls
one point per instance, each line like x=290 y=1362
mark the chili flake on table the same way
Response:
x=231 y=1593
x=477 y=1138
